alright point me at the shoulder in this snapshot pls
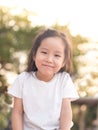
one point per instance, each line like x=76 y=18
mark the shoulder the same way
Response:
x=63 y=75
x=24 y=75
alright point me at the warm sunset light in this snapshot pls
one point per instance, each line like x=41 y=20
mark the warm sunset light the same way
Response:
x=30 y=76
x=80 y=15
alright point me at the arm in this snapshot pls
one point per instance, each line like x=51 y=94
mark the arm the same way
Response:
x=17 y=114
x=66 y=115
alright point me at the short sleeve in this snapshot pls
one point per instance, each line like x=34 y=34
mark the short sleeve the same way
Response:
x=69 y=89
x=16 y=89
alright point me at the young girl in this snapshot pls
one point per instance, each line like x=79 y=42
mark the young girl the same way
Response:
x=43 y=93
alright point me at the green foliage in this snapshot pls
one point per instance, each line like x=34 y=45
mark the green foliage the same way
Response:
x=92 y=116
x=4 y=112
x=76 y=40
x=16 y=37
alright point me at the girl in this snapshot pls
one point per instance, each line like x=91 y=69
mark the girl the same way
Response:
x=43 y=93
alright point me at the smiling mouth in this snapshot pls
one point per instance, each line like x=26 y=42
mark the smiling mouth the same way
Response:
x=49 y=66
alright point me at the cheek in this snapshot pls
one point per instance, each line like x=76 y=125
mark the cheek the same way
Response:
x=38 y=60
x=37 y=63
x=59 y=64
x=63 y=61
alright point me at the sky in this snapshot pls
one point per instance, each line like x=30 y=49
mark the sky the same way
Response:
x=80 y=15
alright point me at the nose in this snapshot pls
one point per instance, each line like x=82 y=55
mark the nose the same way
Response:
x=49 y=58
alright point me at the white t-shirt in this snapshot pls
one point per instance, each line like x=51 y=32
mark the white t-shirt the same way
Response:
x=42 y=100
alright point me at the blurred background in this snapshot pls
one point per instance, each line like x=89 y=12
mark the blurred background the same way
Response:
x=20 y=22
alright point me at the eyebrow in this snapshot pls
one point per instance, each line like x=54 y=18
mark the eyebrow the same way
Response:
x=58 y=52
x=44 y=48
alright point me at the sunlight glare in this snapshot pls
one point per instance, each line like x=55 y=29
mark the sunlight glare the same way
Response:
x=80 y=15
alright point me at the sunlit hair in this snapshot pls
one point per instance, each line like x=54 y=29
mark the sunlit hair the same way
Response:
x=37 y=42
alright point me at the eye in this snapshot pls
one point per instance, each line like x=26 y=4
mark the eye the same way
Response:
x=44 y=52
x=56 y=55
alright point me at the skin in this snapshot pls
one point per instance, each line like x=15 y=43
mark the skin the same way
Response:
x=49 y=59
x=17 y=114
x=66 y=115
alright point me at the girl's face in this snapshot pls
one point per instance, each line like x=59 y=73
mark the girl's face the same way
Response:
x=49 y=58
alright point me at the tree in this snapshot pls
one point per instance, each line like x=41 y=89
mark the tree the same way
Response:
x=87 y=67
x=16 y=35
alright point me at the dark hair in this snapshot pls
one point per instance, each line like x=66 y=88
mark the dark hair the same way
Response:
x=37 y=42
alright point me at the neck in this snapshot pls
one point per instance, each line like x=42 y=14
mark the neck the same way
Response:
x=43 y=77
